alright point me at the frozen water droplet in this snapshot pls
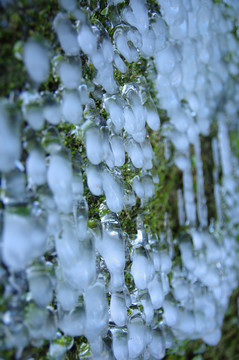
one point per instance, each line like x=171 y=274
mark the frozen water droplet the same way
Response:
x=156 y=292
x=118 y=309
x=93 y=142
x=36 y=60
x=36 y=167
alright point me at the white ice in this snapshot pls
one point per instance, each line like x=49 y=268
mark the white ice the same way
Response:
x=36 y=60
x=157 y=345
x=153 y=119
x=116 y=113
x=36 y=167
x=34 y=117
x=93 y=143
x=136 y=337
x=94 y=180
x=113 y=192
x=117 y=147
x=71 y=107
x=135 y=153
x=67 y=296
x=148 y=186
x=138 y=187
x=41 y=287
x=114 y=251
x=68 y=5
x=148 y=308
x=24 y=238
x=66 y=34
x=52 y=113
x=119 y=63
x=156 y=292
x=118 y=310
x=70 y=74
x=120 y=345
x=141 y=15
x=96 y=310
x=73 y=323
x=142 y=269
x=77 y=258
x=170 y=313
x=59 y=178
x=87 y=40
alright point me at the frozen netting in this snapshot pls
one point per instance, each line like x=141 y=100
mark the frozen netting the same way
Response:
x=78 y=171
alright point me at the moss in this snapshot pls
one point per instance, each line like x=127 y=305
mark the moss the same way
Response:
x=128 y=219
x=234 y=140
x=207 y=159
x=88 y=70
x=153 y=7
x=165 y=199
x=134 y=69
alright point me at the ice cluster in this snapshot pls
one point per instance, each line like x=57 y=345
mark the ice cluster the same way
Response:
x=68 y=272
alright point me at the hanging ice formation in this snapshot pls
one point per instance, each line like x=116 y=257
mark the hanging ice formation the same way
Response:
x=66 y=276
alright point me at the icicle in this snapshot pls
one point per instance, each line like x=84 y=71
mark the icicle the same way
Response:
x=201 y=200
x=181 y=213
x=217 y=190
